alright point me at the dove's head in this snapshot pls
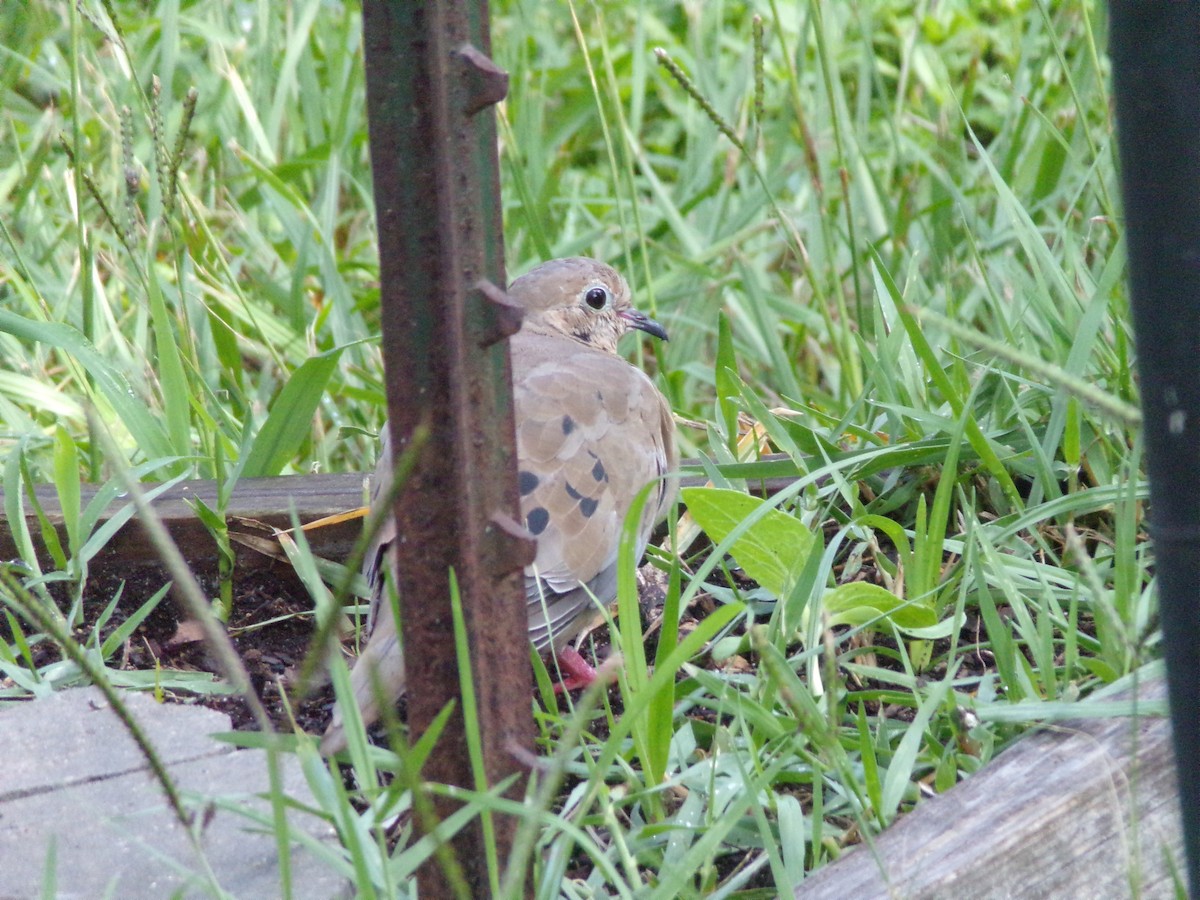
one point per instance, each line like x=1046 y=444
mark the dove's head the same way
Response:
x=582 y=299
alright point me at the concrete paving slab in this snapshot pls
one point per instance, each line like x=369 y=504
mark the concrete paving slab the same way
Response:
x=73 y=784
x=70 y=737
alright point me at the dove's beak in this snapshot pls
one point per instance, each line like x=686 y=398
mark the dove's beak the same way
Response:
x=642 y=322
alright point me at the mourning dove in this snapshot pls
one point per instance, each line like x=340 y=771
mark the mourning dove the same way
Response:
x=592 y=431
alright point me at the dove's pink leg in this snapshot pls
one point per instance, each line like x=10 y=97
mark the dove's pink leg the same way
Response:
x=576 y=671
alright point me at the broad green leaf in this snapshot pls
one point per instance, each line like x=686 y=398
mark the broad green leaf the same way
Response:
x=772 y=550
x=290 y=419
x=859 y=603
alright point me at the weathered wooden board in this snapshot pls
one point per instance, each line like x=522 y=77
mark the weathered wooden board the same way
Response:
x=1080 y=809
x=265 y=500
x=268 y=501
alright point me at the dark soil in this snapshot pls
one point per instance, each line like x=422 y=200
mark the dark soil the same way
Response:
x=271 y=629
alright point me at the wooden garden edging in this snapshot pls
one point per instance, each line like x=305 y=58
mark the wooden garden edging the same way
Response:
x=256 y=506
x=255 y=502
x=1080 y=809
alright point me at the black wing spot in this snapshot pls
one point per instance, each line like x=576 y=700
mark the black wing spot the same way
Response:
x=587 y=505
x=537 y=520
x=527 y=482
x=568 y=424
x=598 y=470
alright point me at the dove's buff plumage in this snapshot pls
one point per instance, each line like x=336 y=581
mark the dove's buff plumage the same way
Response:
x=592 y=430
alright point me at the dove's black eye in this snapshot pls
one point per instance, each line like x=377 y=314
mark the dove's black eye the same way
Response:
x=596 y=297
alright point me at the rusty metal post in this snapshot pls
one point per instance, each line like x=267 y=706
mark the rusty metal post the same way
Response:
x=430 y=92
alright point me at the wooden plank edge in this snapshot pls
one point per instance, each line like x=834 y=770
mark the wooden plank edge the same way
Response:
x=257 y=506
x=265 y=500
x=1086 y=808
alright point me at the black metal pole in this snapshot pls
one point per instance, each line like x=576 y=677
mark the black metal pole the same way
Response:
x=1155 y=51
x=430 y=91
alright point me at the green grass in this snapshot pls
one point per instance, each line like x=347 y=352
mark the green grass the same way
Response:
x=893 y=246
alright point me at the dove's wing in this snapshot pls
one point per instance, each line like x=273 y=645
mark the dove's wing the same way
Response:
x=592 y=431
